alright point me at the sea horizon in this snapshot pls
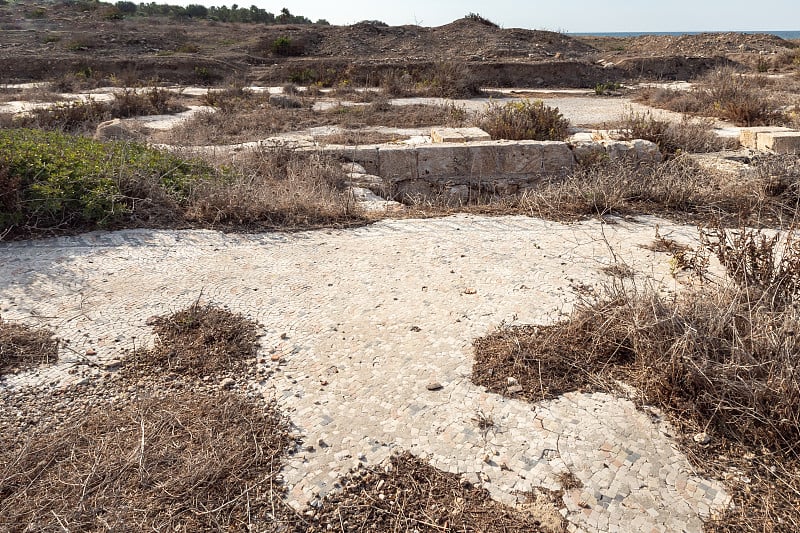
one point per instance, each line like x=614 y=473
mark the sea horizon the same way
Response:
x=782 y=34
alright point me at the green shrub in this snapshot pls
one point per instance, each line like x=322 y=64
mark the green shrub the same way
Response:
x=525 y=120
x=608 y=88
x=54 y=180
x=284 y=46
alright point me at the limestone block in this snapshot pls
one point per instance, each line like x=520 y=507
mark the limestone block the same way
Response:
x=556 y=157
x=114 y=130
x=442 y=160
x=783 y=142
x=414 y=190
x=367 y=181
x=353 y=168
x=522 y=157
x=397 y=163
x=646 y=151
x=485 y=159
x=447 y=135
x=588 y=151
x=748 y=137
x=617 y=150
x=366 y=156
x=474 y=134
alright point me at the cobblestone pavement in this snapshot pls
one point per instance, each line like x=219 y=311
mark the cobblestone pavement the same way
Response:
x=363 y=320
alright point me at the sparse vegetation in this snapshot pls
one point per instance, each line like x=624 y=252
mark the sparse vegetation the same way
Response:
x=609 y=88
x=184 y=456
x=689 y=135
x=56 y=182
x=475 y=17
x=524 y=120
x=726 y=94
x=721 y=360
x=84 y=116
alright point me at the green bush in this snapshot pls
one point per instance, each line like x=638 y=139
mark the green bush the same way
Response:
x=52 y=180
x=525 y=120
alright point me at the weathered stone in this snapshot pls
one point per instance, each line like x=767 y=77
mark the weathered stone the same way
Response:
x=780 y=142
x=397 y=163
x=413 y=190
x=443 y=160
x=485 y=159
x=587 y=151
x=474 y=134
x=366 y=155
x=556 y=157
x=447 y=135
x=353 y=168
x=523 y=157
x=284 y=101
x=748 y=137
x=646 y=151
x=114 y=130
x=458 y=135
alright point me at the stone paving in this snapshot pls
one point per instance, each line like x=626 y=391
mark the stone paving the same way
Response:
x=358 y=322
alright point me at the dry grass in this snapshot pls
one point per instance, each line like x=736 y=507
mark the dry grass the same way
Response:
x=23 y=347
x=690 y=135
x=180 y=456
x=727 y=94
x=719 y=360
x=190 y=461
x=444 y=80
x=275 y=188
x=677 y=188
x=251 y=118
x=84 y=116
x=410 y=495
x=198 y=341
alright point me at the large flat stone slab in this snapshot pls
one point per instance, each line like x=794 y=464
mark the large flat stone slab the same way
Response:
x=748 y=137
x=780 y=142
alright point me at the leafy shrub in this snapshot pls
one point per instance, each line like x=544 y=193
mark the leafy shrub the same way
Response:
x=608 y=88
x=524 y=120
x=284 y=46
x=54 y=180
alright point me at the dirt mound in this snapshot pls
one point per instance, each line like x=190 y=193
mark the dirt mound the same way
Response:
x=706 y=44
x=463 y=39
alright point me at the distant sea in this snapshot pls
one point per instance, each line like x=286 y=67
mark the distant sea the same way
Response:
x=783 y=34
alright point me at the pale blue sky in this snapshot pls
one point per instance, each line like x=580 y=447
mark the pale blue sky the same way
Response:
x=566 y=15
